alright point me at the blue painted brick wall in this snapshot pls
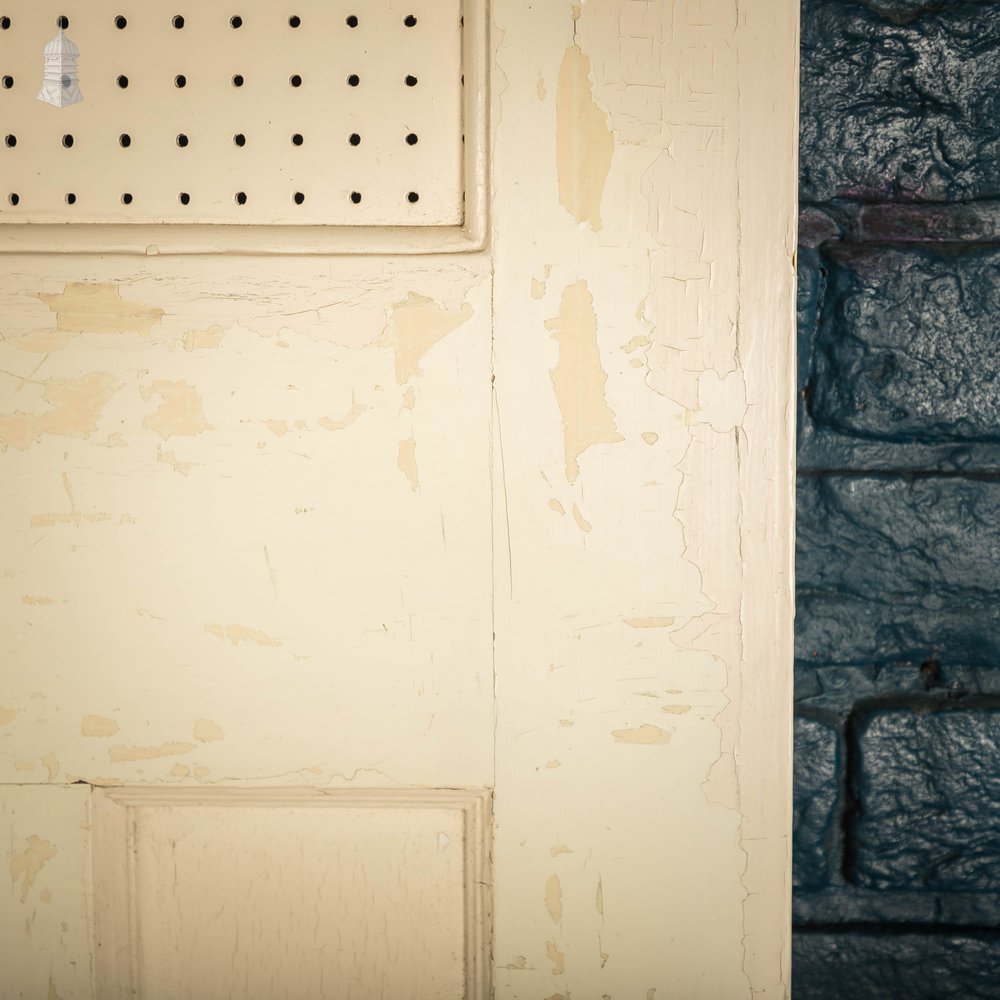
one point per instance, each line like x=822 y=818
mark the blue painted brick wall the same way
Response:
x=897 y=734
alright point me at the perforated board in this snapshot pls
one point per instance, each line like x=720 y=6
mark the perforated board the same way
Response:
x=312 y=113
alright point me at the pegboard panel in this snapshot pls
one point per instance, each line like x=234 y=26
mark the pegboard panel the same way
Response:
x=246 y=113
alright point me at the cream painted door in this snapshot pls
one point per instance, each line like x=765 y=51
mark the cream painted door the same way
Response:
x=390 y=623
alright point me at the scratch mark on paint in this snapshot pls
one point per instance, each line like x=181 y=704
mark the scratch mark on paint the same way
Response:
x=406 y=459
x=599 y=898
x=90 y=307
x=581 y=522
x=653 y=622
x=645 y=734
x=75 y=406
x=415 y=325
x=201 y=340
x=556 y=957
x=26 y=864
x=121 y=754
x=98 y=725
x=270 y=571
x=241 y=633
x=180 y=413
x=553 y=898
x=208 y=731
x=584 y=145
x=579 y=379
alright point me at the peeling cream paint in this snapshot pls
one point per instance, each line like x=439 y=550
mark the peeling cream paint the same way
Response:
x=75 y=407
x=517 y=963
x=51 y=763
x=169 y=458
x=207 y=731
x=556 y=849
x=352 y=415
x=656 y=621
x=553 y=898
x=579 y=379
x=557 y=507
x=415 y=325
x=204 y=340
x=581 y=522
x=599 y=897
x=241 y=633
x=122 y=753
x=91 y=307
x=180 y=413
x=647 y=734
x=98 y=726
x=650 y=437
x=406 y=459
x=556 y=957
x=676 y=709
x=37 y=601
x=26 y=865
x=7 y=715
x=584 y=143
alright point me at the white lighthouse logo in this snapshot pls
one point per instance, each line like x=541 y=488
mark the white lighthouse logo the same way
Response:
x=61 y=84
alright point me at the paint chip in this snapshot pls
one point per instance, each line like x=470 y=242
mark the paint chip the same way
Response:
x=180 y=413
x=660 y=621
x=406 y=459
x=581 y=522
x=124 y=754
x=645 y=734
x=556 y=957
x=98 y=726
x=7 y=715
x=202 y=340
x=415 y=325
x=207 y=731
x=26 y=864
x=90 y=307
x=553 y=898
x=241 y=633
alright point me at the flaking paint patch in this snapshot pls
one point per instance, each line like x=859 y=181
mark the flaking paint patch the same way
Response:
x=599 y=897
x=279 y=428
x=556 y=957
x=53 y=994
x=581 y=522
x=650 y=437
x=207 y=731
x=415 y=325
x=557 y=507
x=584 y=144
x=516 y=964
x=169 y=458
x=90 y=307
x=553 y=898
x=579 y=379
x=7 y=715
x=675 y=709
x=36 y=601
x=51 y=764
x=204 y=340
x=98 y=726
x=406 y=459
x=646 y=734
x=25 y=865
x=556 y=849
x=180 y=413
x=329 y=424
x=123 y=754
x=651 y=622
x=241 y=633
x=75 y=406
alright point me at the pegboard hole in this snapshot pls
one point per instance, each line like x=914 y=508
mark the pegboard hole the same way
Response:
x=354 y=139
x=8 y=82
x=184 y=198
x=236 y=21
x=10 y=141
x=356 y=197
x=412 y=139
x=410 y=21
x=122 y=82
x=180 y=81
x=295 y=80
x=125 y=140
x=13 y=198
x=62 y=22
x=178 y=21
x=241 y=197
x=127 y=198
x=70 y=198
x=352 y=21
x=413 y=197
x=294 y=21
x=353 y=80
x=239 y=139
x=121 y=22
x=4 y=22
x=182 y=140
x=67 y=141
x=410 y=81
x=298 y=197
x=238 y=80
x=297 y=139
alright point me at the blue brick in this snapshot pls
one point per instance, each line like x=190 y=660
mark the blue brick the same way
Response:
x=900 y=100
x=907 y=348
x=929 y=814
x=893 y=569
x=831 y=966
x=817 y=781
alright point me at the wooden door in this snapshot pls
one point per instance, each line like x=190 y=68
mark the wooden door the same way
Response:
x=400 y=608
